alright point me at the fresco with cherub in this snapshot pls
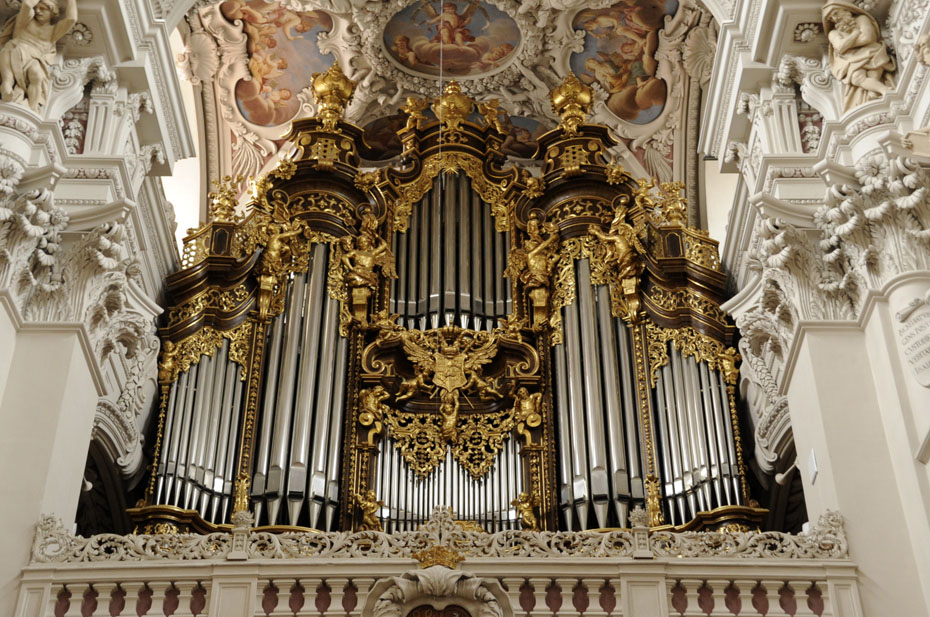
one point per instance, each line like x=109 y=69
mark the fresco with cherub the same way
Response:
x=467 y=37
x=619 y=55
x=283 y=53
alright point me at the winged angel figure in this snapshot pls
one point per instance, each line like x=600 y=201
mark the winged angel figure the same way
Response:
x=450 y=360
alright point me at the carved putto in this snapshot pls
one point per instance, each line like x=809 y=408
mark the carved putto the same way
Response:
x=27 y=49
x=858 y=56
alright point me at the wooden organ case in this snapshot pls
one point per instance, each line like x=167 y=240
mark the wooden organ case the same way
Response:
x=537 y=350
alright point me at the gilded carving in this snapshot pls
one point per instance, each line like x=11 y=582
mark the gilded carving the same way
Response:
x=532 y=264
x=450 y=359
x=452 y=107
x=526 y=503
x=688 y=341
x=358 y=257
x=572 y=100
x=618 y=258
x=369 y=504
x=178 y=357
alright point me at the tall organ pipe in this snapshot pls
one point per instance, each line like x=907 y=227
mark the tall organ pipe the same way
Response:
x=450 y=262
x=297 y=460
x=202 y=405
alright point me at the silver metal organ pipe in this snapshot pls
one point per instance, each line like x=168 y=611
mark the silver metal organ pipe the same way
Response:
x=464 y=264
x=487 y=241
x=198 y=434
x=566 y=492
x=611 y=379
x=284 y=397
x=232 y=441
x=688 y=464
x=270 y=377
x=334 y=436
x=668 y=473
x=731 y=441
x=575 y=383
x=449 y=248
x=316 y=482
x=182 y=451
x=630 y=410
x=593 y=409
x=724 y=471
x=434 y=263
x=477 y=272
x=697 y=432
x=676 y=442
x=228 y=416
x=423 y=290
x=316 y=318
x=715 y=468
x=208 y=465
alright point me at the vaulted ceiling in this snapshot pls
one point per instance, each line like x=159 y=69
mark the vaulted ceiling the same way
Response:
x=647 y=60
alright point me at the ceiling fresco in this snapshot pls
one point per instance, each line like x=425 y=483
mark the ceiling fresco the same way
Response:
x=619 y=54
x=283 y=53
x=647 y=61
x=460 y=38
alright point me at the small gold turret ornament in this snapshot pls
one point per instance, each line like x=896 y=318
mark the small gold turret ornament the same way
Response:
x=572 y=101
x=332 y=91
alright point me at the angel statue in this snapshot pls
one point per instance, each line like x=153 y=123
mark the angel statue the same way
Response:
x=27 y=48
x=858 y=56
x=621 y=245
x=533 y=265
x=359 y=258
x=369 y=505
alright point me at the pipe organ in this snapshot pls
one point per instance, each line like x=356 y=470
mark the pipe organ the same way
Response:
x=534 y=347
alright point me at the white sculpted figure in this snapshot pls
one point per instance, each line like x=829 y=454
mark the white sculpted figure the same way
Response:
x=27 y=47
x=858 y=56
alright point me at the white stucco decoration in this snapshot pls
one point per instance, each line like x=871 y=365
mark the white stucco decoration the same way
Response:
x=439 y=587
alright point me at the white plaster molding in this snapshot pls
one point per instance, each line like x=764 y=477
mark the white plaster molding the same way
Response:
x=78 y=329
x=439 y=587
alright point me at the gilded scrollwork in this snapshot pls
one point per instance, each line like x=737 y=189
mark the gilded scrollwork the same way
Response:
x=356 y=260
x=686 y=340
x=178 y=357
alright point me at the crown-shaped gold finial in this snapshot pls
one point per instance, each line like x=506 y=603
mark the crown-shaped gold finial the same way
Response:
x=332 y=91
x=452 y=107
x=572 y=101
x=439 y=556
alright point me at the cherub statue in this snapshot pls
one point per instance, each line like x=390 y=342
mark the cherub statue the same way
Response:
x=27 y=48
x=414 y=108
x=369 y=504
x=858 y=56
x=525 y=504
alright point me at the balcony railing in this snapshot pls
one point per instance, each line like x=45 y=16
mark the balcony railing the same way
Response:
x=513 y=573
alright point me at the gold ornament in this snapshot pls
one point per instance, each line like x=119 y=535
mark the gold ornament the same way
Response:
x=332 y=91
x=532 y=264
x=369 y=504
x=439 y=556
x=572 y=101
x=222 y=206
x=525 y=505
x=452 y=107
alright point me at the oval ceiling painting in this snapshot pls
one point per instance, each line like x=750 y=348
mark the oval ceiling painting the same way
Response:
x=282 y=54
x=619 y=54
x=466 y=37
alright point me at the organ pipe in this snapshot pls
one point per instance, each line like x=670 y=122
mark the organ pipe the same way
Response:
x=534 y=347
